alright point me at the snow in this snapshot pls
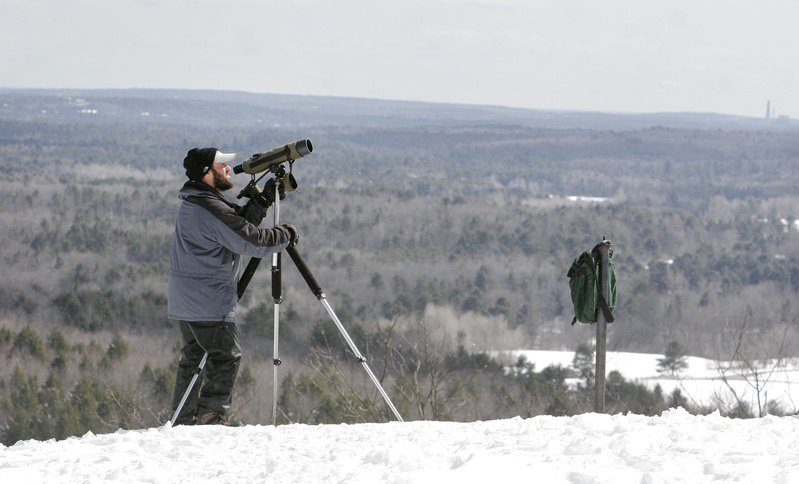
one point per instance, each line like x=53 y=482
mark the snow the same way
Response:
x=675 y=447
x=700 y=382
x=579 y=198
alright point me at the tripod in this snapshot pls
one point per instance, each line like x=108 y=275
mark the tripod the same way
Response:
x=277 y=297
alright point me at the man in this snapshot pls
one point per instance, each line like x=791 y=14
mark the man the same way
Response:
x=210 y=235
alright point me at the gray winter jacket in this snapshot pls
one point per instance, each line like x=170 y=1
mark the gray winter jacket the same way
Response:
x=211 y=234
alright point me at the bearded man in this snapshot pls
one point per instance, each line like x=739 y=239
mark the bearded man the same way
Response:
x=211 y=235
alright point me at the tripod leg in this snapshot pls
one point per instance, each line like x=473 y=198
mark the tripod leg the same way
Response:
x=197 y=372
x=316 y=289
x=360 y=357
x=246 y=277
x=277 y=296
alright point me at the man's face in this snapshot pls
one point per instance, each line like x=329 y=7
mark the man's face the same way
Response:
x=220 y=177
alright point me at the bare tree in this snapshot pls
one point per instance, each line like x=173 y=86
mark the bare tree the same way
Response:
x=427 y=378
x=757 y=356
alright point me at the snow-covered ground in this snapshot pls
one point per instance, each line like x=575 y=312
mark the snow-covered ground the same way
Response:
x=675 y=447
x=700 y=382
x=587 y=449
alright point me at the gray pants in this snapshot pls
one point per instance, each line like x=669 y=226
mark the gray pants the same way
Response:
x=221 y=341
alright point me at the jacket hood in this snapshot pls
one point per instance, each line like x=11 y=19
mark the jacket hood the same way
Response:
x=199 y=189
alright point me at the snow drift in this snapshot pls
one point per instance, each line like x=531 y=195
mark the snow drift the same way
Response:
x=676 y=447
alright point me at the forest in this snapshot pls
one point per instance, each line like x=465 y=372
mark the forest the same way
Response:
x=436 y=243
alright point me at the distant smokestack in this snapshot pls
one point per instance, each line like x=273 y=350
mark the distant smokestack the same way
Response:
x=768 y=109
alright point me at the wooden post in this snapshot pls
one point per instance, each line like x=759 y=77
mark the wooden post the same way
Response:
x=602 y=328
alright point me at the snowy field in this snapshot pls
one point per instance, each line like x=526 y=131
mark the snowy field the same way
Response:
x=700 y=382
x=587 y=449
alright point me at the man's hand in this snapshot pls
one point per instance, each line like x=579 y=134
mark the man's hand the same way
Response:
x=269 y=190
x=267 y=197
x=294 y=234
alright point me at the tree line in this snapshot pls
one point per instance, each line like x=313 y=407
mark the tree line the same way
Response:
x=102 y=271
x=57 y=388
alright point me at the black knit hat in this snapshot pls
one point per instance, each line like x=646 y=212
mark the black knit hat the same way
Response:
x=199 y=160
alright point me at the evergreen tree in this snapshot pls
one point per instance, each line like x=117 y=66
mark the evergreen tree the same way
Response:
x=25 y=416
x=29 y=344
x=118 y=349
x=674 y=361
x=678 y=400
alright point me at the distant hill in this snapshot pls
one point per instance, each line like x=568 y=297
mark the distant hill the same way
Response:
x=231 y=109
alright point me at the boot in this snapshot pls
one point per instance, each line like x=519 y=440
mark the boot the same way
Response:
x=217 y=418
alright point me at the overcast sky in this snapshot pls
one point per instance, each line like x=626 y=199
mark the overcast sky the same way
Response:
x=722 y=56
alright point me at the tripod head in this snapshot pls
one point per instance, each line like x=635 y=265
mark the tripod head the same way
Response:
x=281 y=178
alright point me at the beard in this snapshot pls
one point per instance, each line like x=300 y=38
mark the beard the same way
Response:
x=221 y=182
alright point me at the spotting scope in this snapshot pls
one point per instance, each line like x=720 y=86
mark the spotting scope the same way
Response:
x=262 y=161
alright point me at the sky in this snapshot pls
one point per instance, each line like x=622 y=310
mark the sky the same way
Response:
x=637 y=56
x=675 y=447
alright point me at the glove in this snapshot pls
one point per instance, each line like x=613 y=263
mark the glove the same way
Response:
x=294 y=235
x=269 y=190
x=262 y=200
x=267 y=197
